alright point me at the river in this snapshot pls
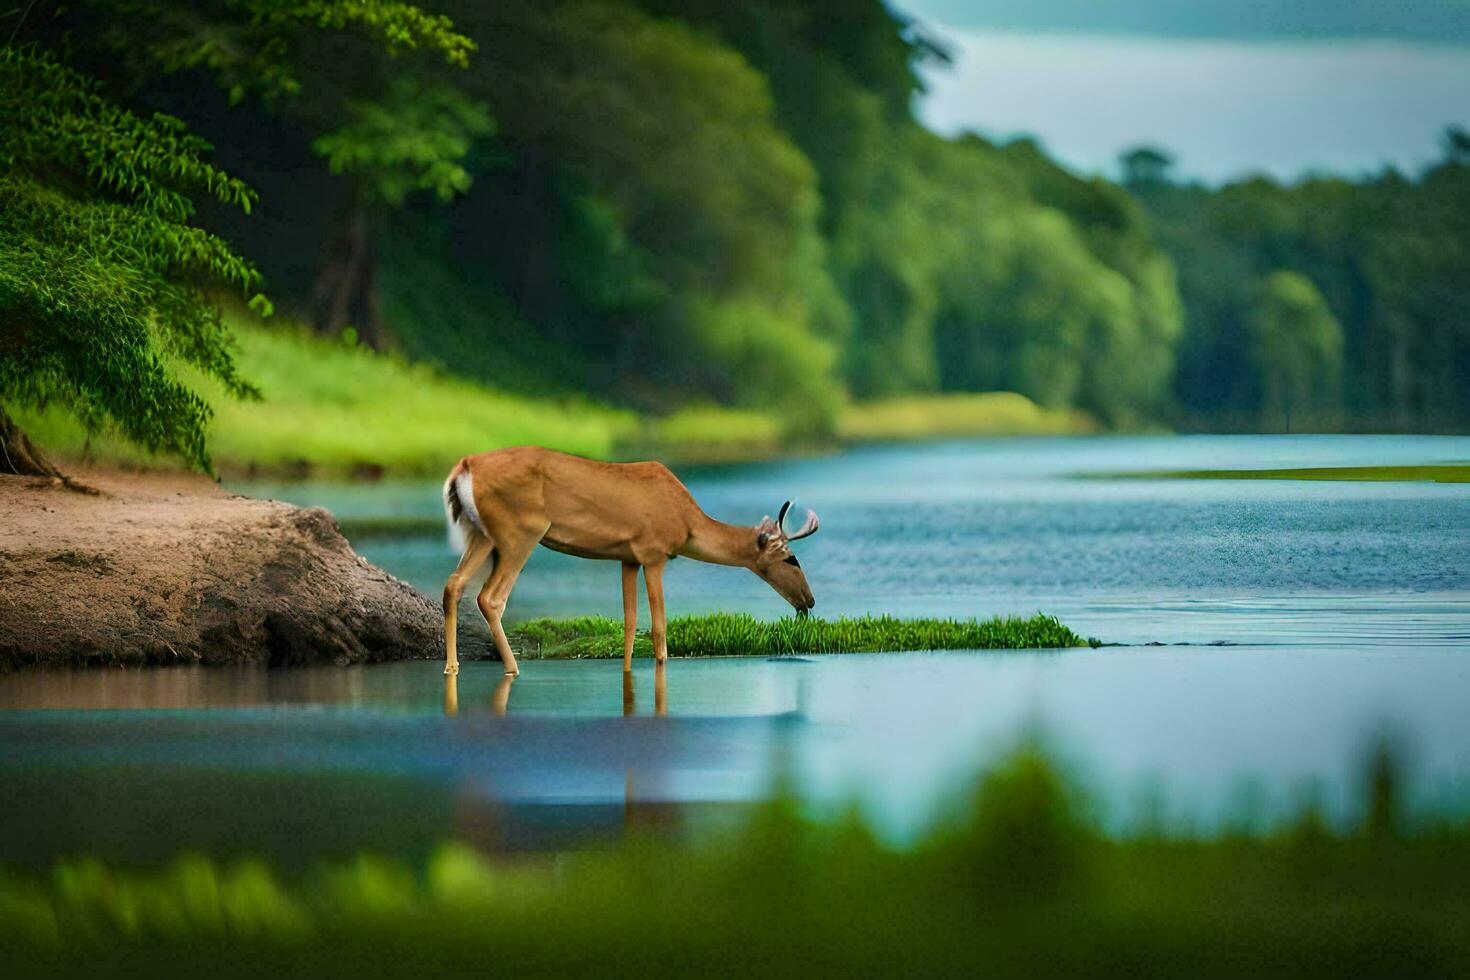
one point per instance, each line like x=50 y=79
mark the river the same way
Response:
x=1300 y=622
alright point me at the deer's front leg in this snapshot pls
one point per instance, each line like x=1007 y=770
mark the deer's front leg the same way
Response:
x=630 y=612
x=653 y=577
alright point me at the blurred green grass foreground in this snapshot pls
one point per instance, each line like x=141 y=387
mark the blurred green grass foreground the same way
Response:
x=1018 y=880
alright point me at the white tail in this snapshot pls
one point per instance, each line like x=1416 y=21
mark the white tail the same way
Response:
x=459 y=507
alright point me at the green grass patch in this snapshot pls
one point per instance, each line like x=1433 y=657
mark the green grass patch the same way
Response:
x=991 y=413
x=1432 y=473
x=739 y=635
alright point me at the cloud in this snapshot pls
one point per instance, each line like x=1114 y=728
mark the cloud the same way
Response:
x=1420 y=20
x=1224 y=108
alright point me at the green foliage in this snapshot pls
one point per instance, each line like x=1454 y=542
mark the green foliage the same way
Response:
x=100 y=271
x=1024 y=836
x=661 y=149
x=414 y=139
x=965 y=267
x=1386 y=257
x=1295 y=346
x=1145 y=165
x=255 y=46
x=321 y=413
x=729 y=635
x=689 y=204
x=1020 y=876
x=705 y=204
x=104 y=281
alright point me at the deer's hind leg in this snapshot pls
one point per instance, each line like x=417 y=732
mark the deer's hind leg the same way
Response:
x=510 y=558
x=477 y=549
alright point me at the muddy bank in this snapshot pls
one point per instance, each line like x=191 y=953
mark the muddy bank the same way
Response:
x=165 y=569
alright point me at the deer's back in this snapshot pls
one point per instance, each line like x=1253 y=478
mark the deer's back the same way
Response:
x=626 y=511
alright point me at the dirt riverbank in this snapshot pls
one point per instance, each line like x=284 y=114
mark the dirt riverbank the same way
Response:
x=166 y=568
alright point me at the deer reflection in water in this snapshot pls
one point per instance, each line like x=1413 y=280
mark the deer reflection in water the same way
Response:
x=499 y=701
x=660 y=692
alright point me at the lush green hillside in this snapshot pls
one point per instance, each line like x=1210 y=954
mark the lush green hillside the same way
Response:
x=332 y=408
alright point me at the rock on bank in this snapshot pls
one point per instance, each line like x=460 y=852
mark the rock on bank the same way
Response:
x=165 y=569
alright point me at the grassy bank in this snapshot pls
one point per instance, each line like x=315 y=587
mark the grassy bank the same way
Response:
x=333 y=409
x=1018 y=881
x=735 y=635
x=991 y=413
x=1435 y=473
x=337 y=409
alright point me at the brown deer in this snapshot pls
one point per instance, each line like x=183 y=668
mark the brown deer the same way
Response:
x=501 y=504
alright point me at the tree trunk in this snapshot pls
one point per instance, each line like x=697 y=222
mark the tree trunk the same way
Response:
x=346 y=290
x=18 y=455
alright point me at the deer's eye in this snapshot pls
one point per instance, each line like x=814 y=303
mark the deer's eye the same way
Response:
x=792 y=561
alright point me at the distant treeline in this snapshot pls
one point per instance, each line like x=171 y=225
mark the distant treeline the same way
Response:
x=1325 y=304
x=730 y=201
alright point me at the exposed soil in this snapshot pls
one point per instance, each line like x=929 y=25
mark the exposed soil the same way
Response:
x=163 y=569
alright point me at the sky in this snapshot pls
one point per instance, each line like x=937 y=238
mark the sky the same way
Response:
x=1229 y=87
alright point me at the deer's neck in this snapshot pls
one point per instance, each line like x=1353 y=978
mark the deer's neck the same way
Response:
x=720 y=543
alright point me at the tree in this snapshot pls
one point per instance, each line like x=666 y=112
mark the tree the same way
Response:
x=1457 y=144
x=390 y=126
x=101 y=274
x=412 y=139
x=640 y=139
x=105 y=280
x=1296 y=347
x=1145 y=165
x=1385 y=253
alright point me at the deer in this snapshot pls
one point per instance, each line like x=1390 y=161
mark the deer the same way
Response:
x=501 y=504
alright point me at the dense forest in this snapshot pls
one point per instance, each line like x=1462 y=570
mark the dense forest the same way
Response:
x=665 y=203
x=1326 y=304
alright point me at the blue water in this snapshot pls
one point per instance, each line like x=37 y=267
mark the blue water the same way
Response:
x=1344 y=609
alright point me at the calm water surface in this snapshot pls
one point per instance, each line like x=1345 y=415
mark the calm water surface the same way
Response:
x=1345 y=607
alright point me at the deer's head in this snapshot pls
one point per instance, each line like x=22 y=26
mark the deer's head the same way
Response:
x=776 y=564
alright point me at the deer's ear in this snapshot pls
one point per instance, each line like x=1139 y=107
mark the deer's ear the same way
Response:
x=762 y=539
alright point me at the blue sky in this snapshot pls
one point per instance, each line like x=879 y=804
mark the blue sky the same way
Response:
x=1230 y=87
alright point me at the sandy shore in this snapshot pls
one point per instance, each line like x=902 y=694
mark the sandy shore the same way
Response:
x=169 y=568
